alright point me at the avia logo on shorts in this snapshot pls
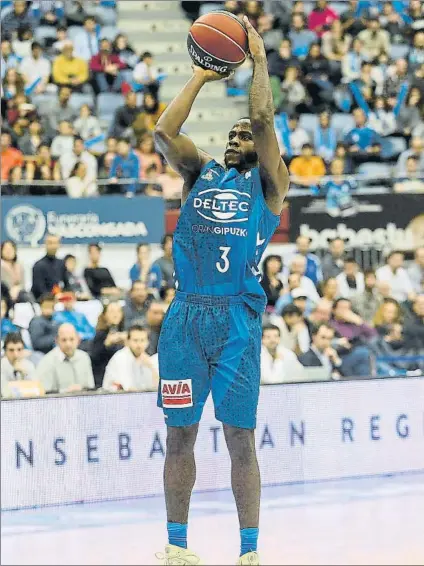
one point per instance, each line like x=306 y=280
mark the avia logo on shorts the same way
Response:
x=223 y=206
x=176 y=394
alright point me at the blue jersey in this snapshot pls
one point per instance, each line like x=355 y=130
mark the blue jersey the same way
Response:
x=223 y=230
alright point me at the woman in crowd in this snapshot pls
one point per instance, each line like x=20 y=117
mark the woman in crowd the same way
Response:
x=87 y=126
x=271 y=283
x=30 y=142
x=42 y=167
x=388 y=314
x=410 y=113
x=150 y=114
x=148 y=156
x=330 y=290
x=13 y=83
x=110 y=337
x=124 y=51
x=12 y=272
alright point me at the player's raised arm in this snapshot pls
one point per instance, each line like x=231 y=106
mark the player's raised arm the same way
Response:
x=178 y=149
x=275 y=176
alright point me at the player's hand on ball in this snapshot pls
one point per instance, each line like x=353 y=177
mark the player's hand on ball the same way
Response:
x=208 y=75
x=256 y=43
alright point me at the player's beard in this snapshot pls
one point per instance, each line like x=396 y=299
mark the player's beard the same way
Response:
x=241 y=161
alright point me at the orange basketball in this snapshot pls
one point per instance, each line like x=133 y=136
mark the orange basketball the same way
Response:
x=218 y=41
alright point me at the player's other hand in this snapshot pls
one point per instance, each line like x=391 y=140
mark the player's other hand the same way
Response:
x=208 y=76
x=256 y=43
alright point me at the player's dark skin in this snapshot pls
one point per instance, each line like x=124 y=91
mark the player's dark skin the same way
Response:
x=251 y=143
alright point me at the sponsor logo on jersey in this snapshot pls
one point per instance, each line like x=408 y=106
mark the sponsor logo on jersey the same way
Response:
x=176 y=394
x=219 y=230
x=207 y=176
x=222 y=205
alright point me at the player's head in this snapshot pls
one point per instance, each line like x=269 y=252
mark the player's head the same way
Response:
x=240 y=151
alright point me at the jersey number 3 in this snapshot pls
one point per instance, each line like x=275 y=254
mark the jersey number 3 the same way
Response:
x=224 y=264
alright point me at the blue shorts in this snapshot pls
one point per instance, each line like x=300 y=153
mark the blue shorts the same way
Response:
x=210 y=343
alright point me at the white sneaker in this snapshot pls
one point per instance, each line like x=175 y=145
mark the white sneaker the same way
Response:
x=250 y=558
x=177 y=556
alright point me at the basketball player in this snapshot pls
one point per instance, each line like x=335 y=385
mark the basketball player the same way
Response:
x=211 y=336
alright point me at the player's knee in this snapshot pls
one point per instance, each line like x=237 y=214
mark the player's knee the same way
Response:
x=240 y=443
x=181 y=440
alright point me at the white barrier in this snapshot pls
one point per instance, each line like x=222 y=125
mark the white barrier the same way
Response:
x=100 y=447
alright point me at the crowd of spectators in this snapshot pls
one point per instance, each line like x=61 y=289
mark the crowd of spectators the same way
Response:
x=325 y=314
x=78 y=104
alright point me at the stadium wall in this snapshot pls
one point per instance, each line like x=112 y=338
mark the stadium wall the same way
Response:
x=61 y=450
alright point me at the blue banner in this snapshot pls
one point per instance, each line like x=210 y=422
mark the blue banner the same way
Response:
x=108 y=219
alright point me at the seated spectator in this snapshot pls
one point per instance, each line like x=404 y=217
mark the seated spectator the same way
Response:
x=87 y=126
x=396 y=275
x=297 y=137
x=172 y=184
x=313 y=263
x=351 y=327
x=125 y=166
x=416 y=55
x=61 y=37
x=338 y=191
x=316 y=71
x=307 y=169
x=363 y=143
x=35 y=67
x=14 y=366
x=77 y=319
x=289 y=95
x=12 y=272
x=79 y=184
x=63 y=143
x=151 y=187
x=68 y=70
x=416 y=149
x=19 y=17
x=48 y=13
x=145 y=73
x=270 y=281
x=366 y=302
x=131 y=369
x=392 y=22
x=388 y=313
x=341 y=154
x=9 y=156
x=42 y=167
x=413 y=181
x=59 y=110
x=325 y=138
x=99 y=279
x=76 y=11
x=320 y=313
x=271 y=35
x=154 y=319
x=150 y=113
x=65 y=369
x=43 y=328
x=300 y=37
x=409 y=114
x=14 y=186
x=87 y=39
x=294 y=332
x=374 y=39
x=125 y=116
x=278 y=364
x=413 y=332
x=30 y=143
x=109 y=339
x=335 y=45
x=286 y=298
x=76 y=283
x=23 y=41
x=351 y=280
x=136 y=304
x=106 y=68
x=8 y=59
x=321 y=354
x=330 y=291
x=416 y=271
x=68 y=160
x=49 y=274
x=124 y=51
x=382 y=118
x=165 y=264
x=397 y=74
x=333 y=261
x=12 y=84
x=143 y=270
x=147 y=155
x=321 y=18
x=7 y=325
x=278 y=63
x=105 y=160
x=352 y=61
x=297 y=264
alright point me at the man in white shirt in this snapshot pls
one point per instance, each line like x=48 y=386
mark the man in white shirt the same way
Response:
x=131 y=369
x=34 y=67
x=87 y=40
x=66 y=369
x=14 y=367
x=298 y=265
x=396 y=276
x=67 y=162
x=278 y=364
x=351 y=280
x=145 y=73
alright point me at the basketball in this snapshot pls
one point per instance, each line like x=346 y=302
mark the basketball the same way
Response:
x=218 y=41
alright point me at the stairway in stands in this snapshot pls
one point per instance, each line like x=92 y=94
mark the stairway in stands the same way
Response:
x=161 y=27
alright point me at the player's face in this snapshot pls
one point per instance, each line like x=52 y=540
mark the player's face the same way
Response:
x=240 y=151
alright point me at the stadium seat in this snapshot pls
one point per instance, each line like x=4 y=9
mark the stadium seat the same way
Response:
x=107 y=103
x=73 y=32
x=78 y=99
x=23 y=313
x=373 y=170
x=392 y=147
x=109 y=32
x=43 y=100
x=398 y=51
x=42 y=33
x=309 y=122
x=342 y=123
x=91 y=309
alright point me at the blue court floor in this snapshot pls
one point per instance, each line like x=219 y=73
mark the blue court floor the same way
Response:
x=363 y=521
